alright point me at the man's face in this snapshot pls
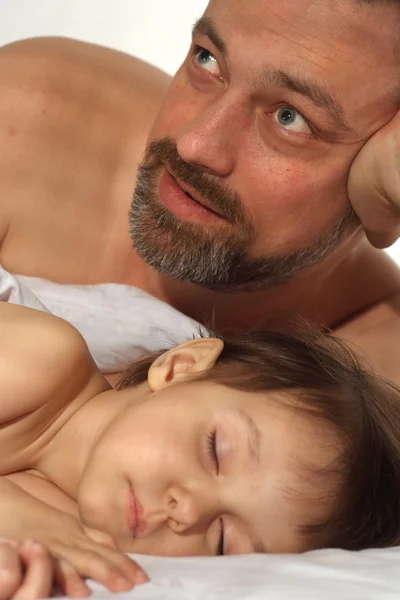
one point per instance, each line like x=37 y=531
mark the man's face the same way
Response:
x=261 y=125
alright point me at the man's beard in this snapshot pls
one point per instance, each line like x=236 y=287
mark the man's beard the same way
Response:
x=215 y=257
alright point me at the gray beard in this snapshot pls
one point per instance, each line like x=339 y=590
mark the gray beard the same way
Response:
x=215 y=258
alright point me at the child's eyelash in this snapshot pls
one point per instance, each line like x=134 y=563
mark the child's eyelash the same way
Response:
x=220 y=549
x=212 y=448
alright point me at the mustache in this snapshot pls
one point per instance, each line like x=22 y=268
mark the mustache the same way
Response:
x=164 y=152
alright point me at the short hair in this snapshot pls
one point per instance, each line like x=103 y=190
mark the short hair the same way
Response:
x=333 y=386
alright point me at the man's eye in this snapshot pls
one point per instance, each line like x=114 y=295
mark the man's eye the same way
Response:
x=292 y=120
x=205 y=59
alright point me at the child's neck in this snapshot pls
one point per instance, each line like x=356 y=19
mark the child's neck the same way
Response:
x=81 y=425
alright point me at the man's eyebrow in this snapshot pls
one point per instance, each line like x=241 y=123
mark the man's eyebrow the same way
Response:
x=205 y=26
x=301 y=85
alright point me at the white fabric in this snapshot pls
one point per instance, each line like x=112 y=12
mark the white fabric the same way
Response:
x=322 y=575
x=119 y=323
x=15 y=292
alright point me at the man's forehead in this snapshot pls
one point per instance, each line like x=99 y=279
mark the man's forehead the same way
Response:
x=346 y=47
x=344 y=23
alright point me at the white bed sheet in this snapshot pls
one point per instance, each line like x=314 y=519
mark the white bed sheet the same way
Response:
x=322 y=575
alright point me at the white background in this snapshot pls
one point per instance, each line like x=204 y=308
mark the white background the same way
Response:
x=155 y=30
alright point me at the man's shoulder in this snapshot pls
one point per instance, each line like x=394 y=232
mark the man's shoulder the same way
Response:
x=74 y=117
x=63 y=69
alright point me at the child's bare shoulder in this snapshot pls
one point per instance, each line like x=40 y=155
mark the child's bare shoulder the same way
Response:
x=42 y=358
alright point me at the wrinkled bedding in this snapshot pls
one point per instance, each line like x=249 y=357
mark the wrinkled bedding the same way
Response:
x=322 y=575
x=120 y=323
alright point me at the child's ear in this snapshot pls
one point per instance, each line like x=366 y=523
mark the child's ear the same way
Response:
x=184 y=361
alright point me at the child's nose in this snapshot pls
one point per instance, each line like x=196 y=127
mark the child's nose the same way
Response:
x=186 y=509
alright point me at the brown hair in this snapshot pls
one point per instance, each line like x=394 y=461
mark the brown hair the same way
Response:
x=332 y=385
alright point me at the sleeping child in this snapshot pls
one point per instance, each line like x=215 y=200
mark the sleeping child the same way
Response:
x=266 y=442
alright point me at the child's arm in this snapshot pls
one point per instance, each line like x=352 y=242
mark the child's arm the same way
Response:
x=27 y=570
x=44 y=365
x=42 y=359
x=79 y=552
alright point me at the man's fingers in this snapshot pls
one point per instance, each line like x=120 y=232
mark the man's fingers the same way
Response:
x=10 y=569
x=374 y=185
x=383 y=239
x=38 y=578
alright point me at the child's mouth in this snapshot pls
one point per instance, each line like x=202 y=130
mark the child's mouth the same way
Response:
x=135 y=514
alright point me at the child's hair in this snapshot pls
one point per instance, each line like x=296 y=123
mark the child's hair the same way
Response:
x=332 y=385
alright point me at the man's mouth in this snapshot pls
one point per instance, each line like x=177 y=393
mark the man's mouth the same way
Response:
x=184 y=202
x=196 y=197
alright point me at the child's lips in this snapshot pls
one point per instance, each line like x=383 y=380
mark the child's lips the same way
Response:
x=135 y=513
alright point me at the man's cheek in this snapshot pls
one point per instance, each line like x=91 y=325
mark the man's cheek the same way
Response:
x=278 y=185
x=293 y=205
x=299 y=184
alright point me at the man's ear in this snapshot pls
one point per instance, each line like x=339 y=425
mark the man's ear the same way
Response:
x=183 y=362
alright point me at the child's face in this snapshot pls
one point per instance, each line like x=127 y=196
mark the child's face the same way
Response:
x=194 y=458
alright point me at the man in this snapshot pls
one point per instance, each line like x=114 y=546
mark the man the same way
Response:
x=241 y=211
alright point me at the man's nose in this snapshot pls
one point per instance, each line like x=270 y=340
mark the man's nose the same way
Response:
x=212 y=139
x=187 y=509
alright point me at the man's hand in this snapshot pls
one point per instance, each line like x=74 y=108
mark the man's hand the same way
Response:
x=374 y=185
x=78 y=552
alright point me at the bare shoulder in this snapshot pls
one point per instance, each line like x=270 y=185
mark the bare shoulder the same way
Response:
x=375 y=334
x=67 y=107
x=42 y=358
x=54 y=49
x=67 y=69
